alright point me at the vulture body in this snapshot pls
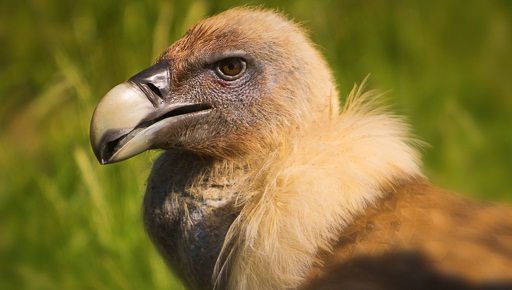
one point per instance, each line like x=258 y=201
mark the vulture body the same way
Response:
x=266 y=183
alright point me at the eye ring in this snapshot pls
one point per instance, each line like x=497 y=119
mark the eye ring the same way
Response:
x=231 y=69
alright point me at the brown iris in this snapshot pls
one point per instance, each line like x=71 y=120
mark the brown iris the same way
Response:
x=231 y=68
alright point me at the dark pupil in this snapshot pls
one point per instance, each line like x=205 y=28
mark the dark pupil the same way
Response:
x=231 y=68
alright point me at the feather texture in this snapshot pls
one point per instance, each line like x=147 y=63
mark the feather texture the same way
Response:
x=310 y=189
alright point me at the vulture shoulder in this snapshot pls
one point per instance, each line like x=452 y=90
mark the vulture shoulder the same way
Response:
x=421 y=237
x=266 y=182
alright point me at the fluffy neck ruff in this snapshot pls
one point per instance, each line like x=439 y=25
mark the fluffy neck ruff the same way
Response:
x=307 y=192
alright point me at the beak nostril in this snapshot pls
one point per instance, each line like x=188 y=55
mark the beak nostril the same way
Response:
x=154 y=89
x=154 y=81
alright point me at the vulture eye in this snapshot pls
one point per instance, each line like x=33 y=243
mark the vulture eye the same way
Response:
x=231 y=69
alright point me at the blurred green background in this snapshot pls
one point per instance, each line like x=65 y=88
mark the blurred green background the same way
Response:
x=68 y=223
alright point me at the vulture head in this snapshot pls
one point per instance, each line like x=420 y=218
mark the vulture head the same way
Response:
x=264 y=183
x=233 y=85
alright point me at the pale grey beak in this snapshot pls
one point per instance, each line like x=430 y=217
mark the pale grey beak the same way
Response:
x=130 y=117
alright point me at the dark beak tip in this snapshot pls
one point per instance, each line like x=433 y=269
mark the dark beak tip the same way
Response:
x=102 y=160
x=99 y=158
x=98 y=155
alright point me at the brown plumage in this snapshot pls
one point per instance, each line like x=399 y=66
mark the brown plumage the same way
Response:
x=265 y=183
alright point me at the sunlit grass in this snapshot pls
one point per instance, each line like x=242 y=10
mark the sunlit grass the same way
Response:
x=68 y=223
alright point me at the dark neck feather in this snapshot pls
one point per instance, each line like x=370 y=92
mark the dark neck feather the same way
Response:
x=187 y=211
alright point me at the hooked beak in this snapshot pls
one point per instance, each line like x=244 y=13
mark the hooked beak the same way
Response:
x=132 y=116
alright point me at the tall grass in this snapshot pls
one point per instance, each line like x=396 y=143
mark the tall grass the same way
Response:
x=68 y=223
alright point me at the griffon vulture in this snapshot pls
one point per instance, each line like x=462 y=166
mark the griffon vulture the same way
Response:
x=266 y=183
